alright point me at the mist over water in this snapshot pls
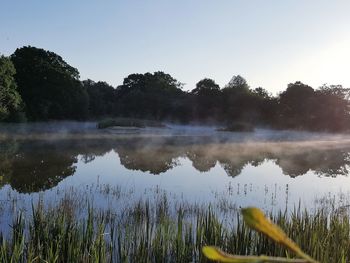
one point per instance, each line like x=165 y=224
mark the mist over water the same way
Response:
x=195 y=165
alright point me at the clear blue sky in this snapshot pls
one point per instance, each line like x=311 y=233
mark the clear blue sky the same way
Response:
x=270 y=43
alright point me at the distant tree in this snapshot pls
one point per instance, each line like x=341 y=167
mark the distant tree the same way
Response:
x=206 y=87
x=237 y=82
x=335 y=90
x=296 y=105
x=331 y=108
x=236 y=101
x=152 y=96
x=10 y=100
x=207 y=99
x=261 y=93
x=263 y=107
x=49 y=86
x=102 y=98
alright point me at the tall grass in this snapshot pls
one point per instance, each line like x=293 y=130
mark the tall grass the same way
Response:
x=150 y=233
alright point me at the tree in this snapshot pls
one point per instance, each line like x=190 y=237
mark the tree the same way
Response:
x=152 y=96
x=262 y=106
x=261 y=93
x=207 y=98
x=102 y=98
x=296 y=105
x=206 y=87
x=236 y=100
x=49 y=86
x=331 y=109
x=10 y=100
x=238 y=82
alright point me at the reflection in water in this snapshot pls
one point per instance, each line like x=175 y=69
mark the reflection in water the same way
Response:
x=36 y=165
x=32 y=166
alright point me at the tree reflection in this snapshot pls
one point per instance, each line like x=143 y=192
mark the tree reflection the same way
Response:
x=32 y=166
x=328 y=163
x=155 y=156
x=8 y=150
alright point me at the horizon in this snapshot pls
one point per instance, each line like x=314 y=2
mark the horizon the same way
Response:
x=278 y=43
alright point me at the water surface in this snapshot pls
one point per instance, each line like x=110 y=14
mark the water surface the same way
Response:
x=193 y=165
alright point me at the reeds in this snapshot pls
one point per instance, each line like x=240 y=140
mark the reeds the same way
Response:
x=149 y=232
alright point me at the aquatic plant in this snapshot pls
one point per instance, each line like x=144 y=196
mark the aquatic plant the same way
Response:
x=151 y=232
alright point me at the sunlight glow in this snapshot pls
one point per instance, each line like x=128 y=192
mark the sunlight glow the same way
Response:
x=326 y=65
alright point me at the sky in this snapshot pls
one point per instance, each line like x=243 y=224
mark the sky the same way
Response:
x=269 y=43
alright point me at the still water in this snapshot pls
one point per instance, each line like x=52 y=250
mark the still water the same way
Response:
x=193 y=165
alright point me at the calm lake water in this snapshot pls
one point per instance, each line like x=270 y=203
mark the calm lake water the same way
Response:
x=193 y=165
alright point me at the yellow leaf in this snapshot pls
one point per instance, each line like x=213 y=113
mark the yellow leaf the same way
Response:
x=256 y=220
x=215 y=253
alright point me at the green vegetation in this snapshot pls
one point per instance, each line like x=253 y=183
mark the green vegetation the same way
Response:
x=128 y=122
x=150 y=232
x=10 y=100
x=51 y=89
x=49 y=86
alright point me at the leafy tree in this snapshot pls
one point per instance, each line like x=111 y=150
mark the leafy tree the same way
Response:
x=207 y=103
x=206 y=87
x=49 y=86
x=296 y=106
x=261 y=93
x=102 y=98
x=152 y=96
x=237 y=100
x=325 y=109
x=237 y=82
x=331 y=108
x=263 y=107
x=10 y=100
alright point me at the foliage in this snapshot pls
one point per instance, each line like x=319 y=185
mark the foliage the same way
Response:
x=238 y=82
x=10 y=100
x=207 y=100
x=296 y=105
x=325 y=109
x=50 y=89
x=239 y=103
x=332 y=108
x=152 y=96
x=206 y=87
x=102 y=98
x=49 y=86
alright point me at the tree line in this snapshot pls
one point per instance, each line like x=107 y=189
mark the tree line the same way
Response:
x=38 y=85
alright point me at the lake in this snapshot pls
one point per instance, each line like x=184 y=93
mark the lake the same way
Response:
x=190 y=165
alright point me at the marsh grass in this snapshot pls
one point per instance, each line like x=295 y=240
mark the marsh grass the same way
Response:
x=150 y=232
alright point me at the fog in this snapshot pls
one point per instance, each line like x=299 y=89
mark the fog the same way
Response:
x=48 y=152
x=86 y=130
